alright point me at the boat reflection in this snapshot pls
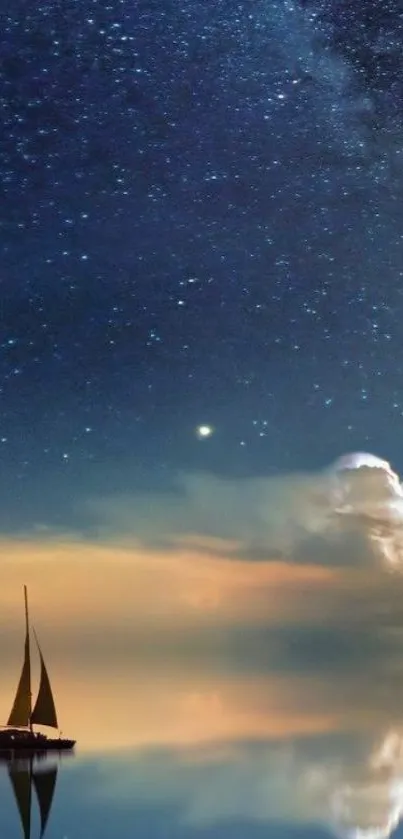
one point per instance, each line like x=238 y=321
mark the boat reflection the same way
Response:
x=27 y=773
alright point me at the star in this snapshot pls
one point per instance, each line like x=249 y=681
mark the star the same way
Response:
x=204 y=431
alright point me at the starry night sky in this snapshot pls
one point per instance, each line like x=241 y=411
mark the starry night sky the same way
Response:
x=201 y=222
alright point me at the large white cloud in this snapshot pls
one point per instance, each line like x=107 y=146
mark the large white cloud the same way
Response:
x=348 y=514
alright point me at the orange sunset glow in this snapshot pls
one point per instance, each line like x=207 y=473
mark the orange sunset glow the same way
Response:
x=81 y=584
x=110 y=616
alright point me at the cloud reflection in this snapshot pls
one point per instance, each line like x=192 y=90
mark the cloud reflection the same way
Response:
x=346 y=777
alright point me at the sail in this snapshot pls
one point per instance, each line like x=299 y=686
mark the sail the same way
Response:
x=21 y=782
x=21 y=710
x=44 y=712
x=44 y=783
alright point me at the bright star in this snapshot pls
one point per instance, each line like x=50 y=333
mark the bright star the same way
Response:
x=204 y=431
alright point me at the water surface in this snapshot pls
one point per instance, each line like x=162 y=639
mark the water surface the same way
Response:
x=219 y=746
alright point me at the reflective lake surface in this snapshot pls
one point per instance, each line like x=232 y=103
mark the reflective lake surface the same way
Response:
x=224 y=748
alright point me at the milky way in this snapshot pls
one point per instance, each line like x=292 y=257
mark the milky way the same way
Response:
x=356 y=50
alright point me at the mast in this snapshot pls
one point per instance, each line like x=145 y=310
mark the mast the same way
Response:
x=21 y=711
x=29 y=656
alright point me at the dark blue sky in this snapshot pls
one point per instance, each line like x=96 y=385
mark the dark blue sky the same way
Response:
x=200 y=223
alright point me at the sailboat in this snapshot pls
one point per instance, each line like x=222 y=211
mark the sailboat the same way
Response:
x=24 y=778
x=19 y=732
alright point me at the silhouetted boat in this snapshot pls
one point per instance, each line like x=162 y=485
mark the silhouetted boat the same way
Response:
x=19 y=734
x=23 y=778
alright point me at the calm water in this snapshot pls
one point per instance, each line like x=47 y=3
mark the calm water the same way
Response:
x=232 y=748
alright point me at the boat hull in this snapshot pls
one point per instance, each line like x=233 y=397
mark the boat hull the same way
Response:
x=12 y=741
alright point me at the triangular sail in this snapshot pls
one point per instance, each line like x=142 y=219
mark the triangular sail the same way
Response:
x=21 y=710
x=21 y=782
x=44 y=783
x=44 y=712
